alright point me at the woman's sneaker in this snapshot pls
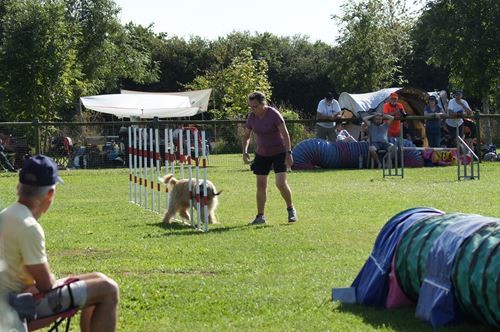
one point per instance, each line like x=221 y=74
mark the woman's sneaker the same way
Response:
x=292 y=215
x=259 y=220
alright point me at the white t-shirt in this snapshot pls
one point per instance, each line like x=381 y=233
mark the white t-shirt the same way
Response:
x=328 y=110
x=454 y=107
x=22 y=242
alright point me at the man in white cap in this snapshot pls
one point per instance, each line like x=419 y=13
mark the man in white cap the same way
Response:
x=22 y=248
x=457 y=107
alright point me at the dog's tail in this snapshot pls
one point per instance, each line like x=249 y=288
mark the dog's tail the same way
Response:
x=211 y=191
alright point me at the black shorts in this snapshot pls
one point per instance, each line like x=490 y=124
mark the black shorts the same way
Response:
x=262 y=165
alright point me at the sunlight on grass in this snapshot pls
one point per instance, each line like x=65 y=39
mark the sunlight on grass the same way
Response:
x=236 y=277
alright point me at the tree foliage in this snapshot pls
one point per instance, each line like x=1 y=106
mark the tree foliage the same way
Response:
x=465 y=36
x=52 y=52
x=37 y=60
x=374 y=38
x=232 y=85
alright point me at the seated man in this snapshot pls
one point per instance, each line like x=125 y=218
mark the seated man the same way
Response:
x=342 y=134
x=22 y=248
x=378 y=136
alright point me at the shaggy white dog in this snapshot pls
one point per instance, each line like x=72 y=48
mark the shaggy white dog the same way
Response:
x=180 y=196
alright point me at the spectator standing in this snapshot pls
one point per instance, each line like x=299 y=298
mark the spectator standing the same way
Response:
x=396 y=110
x=457 y=108
x=433 y=114
x=328 y=109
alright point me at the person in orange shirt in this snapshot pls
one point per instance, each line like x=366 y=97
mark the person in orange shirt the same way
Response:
x=395 y=109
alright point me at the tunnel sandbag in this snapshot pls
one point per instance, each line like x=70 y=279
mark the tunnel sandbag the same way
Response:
x=319 y=153
x=474 y=270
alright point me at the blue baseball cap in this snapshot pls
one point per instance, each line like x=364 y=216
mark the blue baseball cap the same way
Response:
x=39 y=171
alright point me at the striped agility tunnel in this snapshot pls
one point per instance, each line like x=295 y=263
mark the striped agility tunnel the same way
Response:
x=447 y=264
x=319 y=153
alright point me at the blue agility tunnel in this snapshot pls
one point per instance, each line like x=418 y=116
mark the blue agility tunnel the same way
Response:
x=446 y=264
x=319 y=153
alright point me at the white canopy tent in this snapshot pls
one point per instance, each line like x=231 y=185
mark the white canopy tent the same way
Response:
x=197 y=98
x=147 y=105
x=364 y=102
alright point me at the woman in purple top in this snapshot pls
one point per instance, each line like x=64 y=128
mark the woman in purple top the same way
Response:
x=272 y=150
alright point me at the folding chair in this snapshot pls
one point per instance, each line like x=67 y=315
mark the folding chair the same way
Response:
x=25 y=306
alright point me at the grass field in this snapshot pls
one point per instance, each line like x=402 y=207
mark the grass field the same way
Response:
x=245 y=278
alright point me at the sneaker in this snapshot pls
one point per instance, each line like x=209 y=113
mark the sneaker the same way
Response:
x=259 y=220
x=292 y=215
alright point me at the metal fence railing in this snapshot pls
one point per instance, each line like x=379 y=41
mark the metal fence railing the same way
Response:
x=104 y=144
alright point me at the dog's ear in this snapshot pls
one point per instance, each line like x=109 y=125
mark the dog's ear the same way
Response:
x=168 y=178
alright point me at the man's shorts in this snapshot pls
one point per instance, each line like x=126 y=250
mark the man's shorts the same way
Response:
x=262 y=165
x=382 y=145
x=58 y=300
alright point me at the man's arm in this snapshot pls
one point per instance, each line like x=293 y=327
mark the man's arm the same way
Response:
x=42 y=275
x=388 y=117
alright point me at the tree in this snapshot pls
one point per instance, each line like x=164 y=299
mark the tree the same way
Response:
x=465 y=36
x=53 y=52
x=298 y=69
x=108 y=52
x=373 y=40
x=37 y=60
x=232 y=85
x=179 y=62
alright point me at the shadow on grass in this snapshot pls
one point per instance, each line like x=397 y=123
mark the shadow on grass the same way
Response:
x=404 y=319
x=180 y=229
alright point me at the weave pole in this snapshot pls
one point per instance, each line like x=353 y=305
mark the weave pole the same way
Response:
x=145 y=169
x=204 y=166
x=139 y=157
x=197 y=173
x=180 y=145
x=130 y=187
x=135 y=164
x=172 y=150
x=152 y=169
x=145 y=164
x=190 y=174
x=158 y=167
x=166 y=157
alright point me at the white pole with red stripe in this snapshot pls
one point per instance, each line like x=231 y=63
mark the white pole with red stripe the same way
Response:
x=130 y=164
x=180 y=145
x=152 y=169
x=190 y=173
x=158 y=167
x=139 y=155
x=167 y=162
x=145 y=164
x=197 y=172
x=135 y=164
x=172 y=151
x=204 y=165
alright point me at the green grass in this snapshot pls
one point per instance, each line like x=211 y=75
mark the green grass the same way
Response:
x=241 y=278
